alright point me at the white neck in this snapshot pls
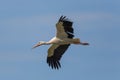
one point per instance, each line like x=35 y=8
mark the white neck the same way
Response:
x=45 y=43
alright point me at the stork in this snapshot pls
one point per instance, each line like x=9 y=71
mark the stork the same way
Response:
x=61 y=42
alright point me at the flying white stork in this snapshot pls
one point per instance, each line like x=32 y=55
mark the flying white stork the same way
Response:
x=61 y=42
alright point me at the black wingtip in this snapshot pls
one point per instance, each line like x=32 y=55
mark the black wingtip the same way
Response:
x=62 y=18
x=53 y=63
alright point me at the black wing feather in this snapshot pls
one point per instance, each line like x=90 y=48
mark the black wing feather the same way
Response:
x=67 y=26
x=53 y=61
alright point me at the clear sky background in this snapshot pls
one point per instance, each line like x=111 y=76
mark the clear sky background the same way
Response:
x=24 y=22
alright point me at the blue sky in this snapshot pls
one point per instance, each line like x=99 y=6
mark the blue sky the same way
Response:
x=24 y=22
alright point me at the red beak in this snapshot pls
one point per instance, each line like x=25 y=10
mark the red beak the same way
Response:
x=37 y=45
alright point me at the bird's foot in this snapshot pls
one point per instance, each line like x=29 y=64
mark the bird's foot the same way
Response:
x=85 y=43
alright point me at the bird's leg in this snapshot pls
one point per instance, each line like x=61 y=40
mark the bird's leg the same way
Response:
x=84 y=43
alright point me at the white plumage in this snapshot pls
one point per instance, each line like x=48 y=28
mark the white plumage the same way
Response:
x=61 y=42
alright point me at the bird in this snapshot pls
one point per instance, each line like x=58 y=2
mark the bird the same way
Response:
x=61 y=42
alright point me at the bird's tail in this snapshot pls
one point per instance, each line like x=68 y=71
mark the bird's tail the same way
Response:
x=76 y=41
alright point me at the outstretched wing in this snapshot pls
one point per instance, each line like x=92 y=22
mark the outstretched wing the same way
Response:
x=64 y=28
x=55 y=53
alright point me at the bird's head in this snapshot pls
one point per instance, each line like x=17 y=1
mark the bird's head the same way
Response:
x=39 y=44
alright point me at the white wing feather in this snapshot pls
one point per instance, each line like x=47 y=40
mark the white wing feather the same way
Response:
x=60 y=30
